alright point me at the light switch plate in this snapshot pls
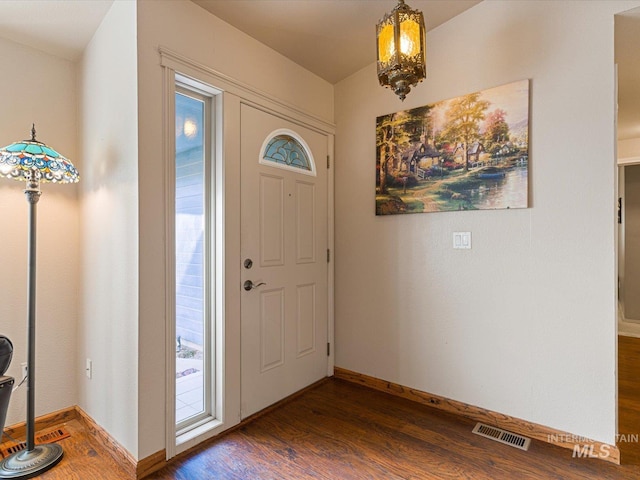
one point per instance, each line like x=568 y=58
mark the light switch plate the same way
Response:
x=462 y=240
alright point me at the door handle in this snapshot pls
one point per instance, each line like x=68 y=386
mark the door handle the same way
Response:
x=249 y=285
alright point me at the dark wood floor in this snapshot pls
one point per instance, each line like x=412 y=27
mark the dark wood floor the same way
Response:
x=629 y=399
x=344 y=431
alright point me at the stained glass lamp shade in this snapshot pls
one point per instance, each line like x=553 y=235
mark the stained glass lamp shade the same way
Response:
x=33 y=162
x=22 y=159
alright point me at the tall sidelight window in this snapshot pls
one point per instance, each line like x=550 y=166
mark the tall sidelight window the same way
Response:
x=193 y=260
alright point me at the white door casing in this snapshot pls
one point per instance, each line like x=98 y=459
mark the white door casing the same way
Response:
x=284 y=211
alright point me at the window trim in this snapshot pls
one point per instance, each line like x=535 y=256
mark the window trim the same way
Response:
x=229 y=94
x=177 y=441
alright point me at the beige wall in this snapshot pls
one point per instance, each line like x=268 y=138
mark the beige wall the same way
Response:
x=632 y=240
x=40 y=88
x=195 y=34
x=629 y=149
x=524 y=322
x=108 y=329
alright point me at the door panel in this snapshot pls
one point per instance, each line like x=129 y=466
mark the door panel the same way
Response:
x=284 y=233
x=306 y=318
x=271 y=220
x=271 y=329
x=305 y=223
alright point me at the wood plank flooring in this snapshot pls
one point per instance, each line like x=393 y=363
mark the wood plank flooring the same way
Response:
x=84 y=458
x=343 y=431
x=629 y=399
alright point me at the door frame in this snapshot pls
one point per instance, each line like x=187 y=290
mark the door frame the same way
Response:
x=259 y=388
x=227 y=173
x=630 y=327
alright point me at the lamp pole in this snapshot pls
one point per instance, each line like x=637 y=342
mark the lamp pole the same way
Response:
x=33 y=460
x=32 y=192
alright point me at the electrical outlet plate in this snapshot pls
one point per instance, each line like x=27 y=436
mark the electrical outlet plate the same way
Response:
x=88 y=368
x=24 y=370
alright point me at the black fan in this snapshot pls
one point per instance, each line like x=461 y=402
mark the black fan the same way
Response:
x=6 y=352
x=6 y=383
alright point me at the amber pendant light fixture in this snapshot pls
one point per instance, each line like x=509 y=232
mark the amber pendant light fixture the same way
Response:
x=401 y=49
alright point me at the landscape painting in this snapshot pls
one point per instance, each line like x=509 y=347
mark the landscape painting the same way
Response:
x=467 y=153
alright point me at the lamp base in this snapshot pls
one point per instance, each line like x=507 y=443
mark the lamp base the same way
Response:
x=28 y=464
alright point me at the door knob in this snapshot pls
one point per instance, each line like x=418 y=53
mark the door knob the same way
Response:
x=249 y=285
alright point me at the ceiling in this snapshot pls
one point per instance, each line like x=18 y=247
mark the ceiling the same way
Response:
x=58 y=27
x=332 y=38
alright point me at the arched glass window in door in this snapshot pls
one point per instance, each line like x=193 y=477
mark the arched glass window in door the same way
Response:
x=287 y=150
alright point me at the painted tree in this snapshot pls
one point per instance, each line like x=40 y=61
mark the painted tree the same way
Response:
x=496 y=130
x=384 y=134
x=418 y=123
x=391 y=138
x=463 y=119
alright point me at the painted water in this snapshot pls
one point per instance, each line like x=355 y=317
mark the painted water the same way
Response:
x=507 y=192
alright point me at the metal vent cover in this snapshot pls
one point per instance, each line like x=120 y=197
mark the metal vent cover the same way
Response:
x=52 y=436
x=502 y=436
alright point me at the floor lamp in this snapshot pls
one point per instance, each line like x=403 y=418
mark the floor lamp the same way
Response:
x=33 y=162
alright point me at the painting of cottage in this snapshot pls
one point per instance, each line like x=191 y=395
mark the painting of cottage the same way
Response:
x=467 y=153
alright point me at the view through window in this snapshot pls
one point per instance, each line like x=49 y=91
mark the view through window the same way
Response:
x=193 y=345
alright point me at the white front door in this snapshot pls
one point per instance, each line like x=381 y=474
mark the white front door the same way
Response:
x=284 y=317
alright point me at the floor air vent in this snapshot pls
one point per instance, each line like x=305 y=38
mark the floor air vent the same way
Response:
x=47 y=437
x=502 y=436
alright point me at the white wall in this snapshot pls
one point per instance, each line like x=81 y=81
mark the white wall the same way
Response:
x=190 y=31
x=108 y=330
x=524 y=323
x=40 y=89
